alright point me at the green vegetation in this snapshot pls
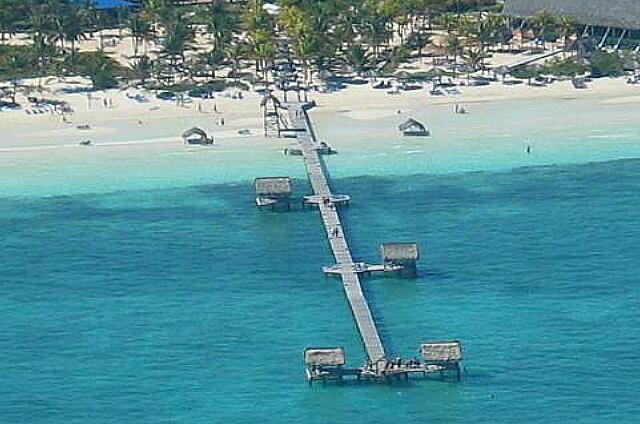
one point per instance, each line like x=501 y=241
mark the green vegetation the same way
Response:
x=177 y=45
x=564 y=68
x=606 y=64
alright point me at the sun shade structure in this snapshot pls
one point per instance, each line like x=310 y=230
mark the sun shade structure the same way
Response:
x=333 y=357
x=447 y=352
x=197 y=136
x=623 y=14
x=413 y=128
x=273 y=190
x=404 y=254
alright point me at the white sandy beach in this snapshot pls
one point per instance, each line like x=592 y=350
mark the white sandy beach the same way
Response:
x=140 y=144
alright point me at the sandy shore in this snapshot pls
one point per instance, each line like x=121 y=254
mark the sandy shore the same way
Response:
x=123 y=121
x=140 y=145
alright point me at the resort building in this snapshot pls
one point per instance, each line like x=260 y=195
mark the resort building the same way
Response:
x=615 y=23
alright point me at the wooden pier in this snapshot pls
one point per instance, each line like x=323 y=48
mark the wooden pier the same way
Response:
x=327 y=363
x=337 y=238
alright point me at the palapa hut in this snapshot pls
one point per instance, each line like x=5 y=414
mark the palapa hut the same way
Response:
x=447 y=354
x=324 y=363
x=324 y=357
x=404 y=254
x=197 y=136
x=273 y=191
x=413 y=128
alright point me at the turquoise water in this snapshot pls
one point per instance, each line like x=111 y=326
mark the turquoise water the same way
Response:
x=186 y=305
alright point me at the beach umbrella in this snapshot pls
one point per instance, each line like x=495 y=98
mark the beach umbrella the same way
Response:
x=325 y=74
x=402 y=75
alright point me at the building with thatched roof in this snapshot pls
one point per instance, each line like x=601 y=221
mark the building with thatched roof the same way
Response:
x=413 y=128
x=197 y=136
x=274 y=190
x=622 y=14
x=332 y=357
x=404 y=254
x=448 y=352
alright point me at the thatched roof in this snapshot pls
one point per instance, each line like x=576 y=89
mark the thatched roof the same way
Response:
x=324 y=356
x=400 y=252
x=276 y=186
x=607 y=13
x=412 y=125
x=194 y=132
x=450 y=351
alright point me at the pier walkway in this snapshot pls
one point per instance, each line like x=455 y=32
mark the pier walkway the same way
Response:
x=327 y=202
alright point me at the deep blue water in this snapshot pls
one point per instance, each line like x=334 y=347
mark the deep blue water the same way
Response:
x=189 y=306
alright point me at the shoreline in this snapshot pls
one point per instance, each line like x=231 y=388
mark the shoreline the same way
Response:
x=563 y=125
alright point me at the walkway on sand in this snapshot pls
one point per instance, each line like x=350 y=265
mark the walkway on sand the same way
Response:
x=331 y=219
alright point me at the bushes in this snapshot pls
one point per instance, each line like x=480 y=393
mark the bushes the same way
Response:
x=605 y=64
x=564 y=68
x=99 y=68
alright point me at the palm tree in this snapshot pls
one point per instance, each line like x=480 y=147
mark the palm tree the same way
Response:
x=264 y=48
x=221 y=23
x=140 y=30
x=72 y=27
x=13 y=67
x=178 y=38
x=566 y=26
x=303 y=49
x=541 y=22
x=358 y=57
x=100 y=69
x=210 y=61
x=255 y=18
x=141 y=69
x=236 y=52
x=11 y=13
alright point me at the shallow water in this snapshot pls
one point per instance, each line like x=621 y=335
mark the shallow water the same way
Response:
x=188 y=305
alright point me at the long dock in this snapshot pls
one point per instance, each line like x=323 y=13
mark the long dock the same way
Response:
x=316 y=173
x=328 y=363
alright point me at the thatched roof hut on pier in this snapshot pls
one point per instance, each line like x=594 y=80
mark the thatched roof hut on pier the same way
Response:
x=413 y=128
x=446 y=354
x=404 y=254
x=332 y=357
x=324 y=363
x=273 y=190
x=197 y=136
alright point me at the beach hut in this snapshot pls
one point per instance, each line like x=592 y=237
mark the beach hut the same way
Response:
x=324 y=363
x=413 y=128
x=197 y=137
x=273 y=191
x=446 y=354
x=403 y=254
x=324 y=357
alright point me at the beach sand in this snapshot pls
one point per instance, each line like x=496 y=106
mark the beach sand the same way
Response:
x=140 y=143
